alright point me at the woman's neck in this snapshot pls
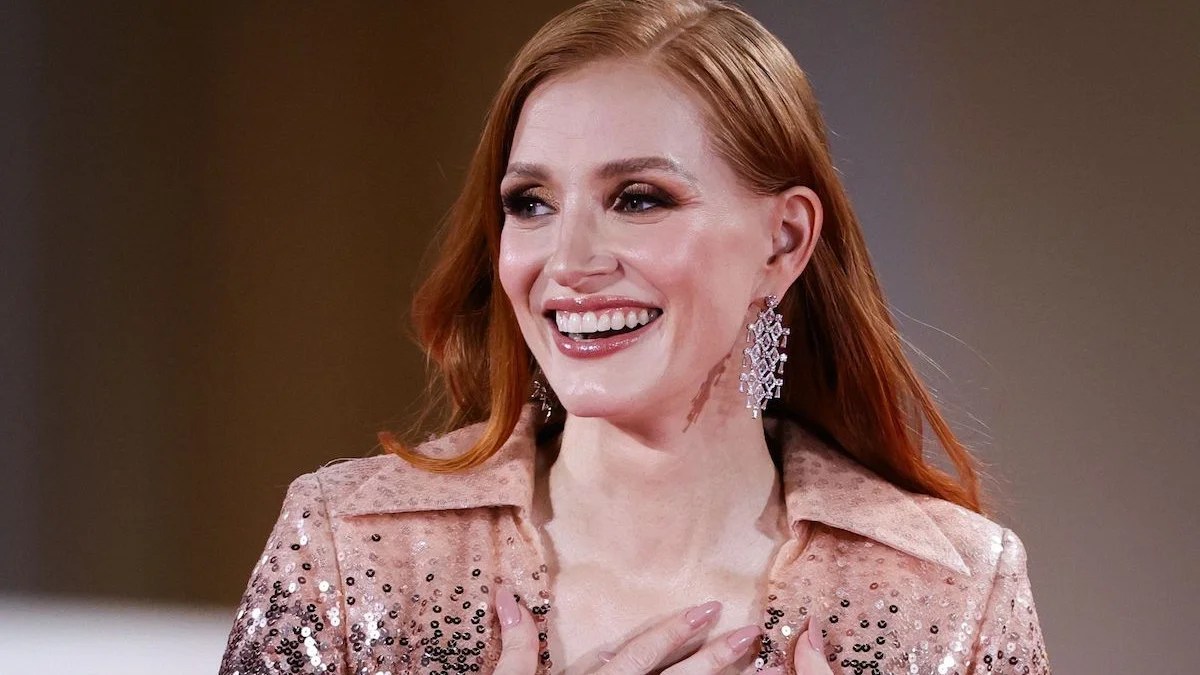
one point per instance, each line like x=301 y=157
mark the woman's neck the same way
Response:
x=678 y=500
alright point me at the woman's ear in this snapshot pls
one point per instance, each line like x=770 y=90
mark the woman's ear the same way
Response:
x=796 y=226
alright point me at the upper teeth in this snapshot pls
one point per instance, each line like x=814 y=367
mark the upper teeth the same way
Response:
x=608 y=319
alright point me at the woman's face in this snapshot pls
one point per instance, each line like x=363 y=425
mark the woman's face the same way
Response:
x=630 y=252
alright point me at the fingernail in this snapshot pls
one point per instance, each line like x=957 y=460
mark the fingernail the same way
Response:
x=506 y=607
x=741 y=640
x=814 y=638
x=606 y=656
x=773 y=670
x=702 y=614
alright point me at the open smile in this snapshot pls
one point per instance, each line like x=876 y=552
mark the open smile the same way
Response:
x=602 y=332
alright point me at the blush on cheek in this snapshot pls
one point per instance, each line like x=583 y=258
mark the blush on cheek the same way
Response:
x=510 y=282
x=518 y=268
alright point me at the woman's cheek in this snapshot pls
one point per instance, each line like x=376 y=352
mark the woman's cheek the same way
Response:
x=663 y=257
x=520 y=262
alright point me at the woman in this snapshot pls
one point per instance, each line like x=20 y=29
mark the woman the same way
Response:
x=652 y=207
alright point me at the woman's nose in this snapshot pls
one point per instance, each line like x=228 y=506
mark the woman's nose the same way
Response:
x=579 y=260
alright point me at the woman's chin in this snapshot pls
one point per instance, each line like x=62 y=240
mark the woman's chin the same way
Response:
x=614 y=407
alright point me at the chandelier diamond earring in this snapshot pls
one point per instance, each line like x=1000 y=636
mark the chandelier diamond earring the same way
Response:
x=543 y=394
x=762 y=361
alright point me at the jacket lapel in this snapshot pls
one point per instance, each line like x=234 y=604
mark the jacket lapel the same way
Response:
x=820 y=484
x=392 y=485
x=824 y=485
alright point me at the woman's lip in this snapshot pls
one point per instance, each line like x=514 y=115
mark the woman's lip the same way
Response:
x=594 y=303
x=596 y=347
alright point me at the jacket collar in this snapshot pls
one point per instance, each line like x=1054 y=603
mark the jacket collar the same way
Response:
x=820 y=485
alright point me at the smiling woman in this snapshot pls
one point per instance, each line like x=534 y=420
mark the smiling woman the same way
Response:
x=631 y=210
x=652 y=208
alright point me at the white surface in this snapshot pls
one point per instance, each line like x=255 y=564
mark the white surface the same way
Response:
x=83 y=637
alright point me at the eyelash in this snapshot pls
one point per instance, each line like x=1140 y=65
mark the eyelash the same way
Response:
x=518 y=201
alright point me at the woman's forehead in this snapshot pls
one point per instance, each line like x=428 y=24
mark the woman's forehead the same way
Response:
x=610 y=111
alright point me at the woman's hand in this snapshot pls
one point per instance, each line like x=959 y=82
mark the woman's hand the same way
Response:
x=658 y=648
x=808 y=655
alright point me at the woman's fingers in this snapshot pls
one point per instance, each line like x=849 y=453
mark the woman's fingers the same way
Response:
x=650 y=650
x=809 y=655
x=519 y=644
x=718 y=654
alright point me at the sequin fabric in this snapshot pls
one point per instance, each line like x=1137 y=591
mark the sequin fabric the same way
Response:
x=375 y=567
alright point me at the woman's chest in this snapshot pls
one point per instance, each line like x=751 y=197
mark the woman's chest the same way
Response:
x=416 y=591
x=597 y=610
x=417 y=596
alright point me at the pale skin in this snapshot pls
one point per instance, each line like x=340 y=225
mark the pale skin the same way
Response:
x=661 y=488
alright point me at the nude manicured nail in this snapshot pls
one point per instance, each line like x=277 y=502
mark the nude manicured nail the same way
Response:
x=606 y=656
x=741 y=640
x=702 y=614
x=506 y=607
x=814 y=638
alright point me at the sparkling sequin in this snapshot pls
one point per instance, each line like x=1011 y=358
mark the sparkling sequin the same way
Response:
x=376 y=567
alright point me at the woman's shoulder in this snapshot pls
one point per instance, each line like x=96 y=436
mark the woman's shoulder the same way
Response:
x=938 y=530
x=911 y=581
x=980 y=541
x=823 y=484
x=388 y=483
x=904 y=577
x=361 y=534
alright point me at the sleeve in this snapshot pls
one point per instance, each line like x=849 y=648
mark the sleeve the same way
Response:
x=1010 y=638
x=291 y=616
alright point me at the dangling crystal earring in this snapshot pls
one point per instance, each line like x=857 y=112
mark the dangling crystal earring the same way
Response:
x=543 y=394
x=762 y=362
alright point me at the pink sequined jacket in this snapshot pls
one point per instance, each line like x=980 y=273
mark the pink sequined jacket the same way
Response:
x=375 y=566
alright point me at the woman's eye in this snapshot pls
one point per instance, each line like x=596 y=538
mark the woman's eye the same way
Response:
x=641 y=199
x=524 y=204
x=534 y=202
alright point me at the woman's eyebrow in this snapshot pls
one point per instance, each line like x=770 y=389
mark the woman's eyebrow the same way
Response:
x=634 y=164
x=612 y=169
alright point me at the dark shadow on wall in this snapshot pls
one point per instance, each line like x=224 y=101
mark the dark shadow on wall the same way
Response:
x=216 y=213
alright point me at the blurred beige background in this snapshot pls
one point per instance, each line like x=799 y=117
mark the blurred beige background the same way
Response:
x=211 y=217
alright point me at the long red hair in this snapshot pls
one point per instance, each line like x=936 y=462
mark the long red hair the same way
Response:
x=847 y=380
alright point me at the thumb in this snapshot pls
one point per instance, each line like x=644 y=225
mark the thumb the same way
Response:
x=809 y=657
